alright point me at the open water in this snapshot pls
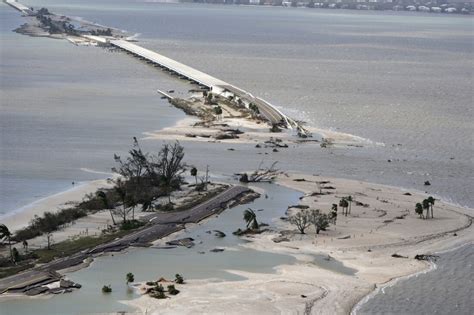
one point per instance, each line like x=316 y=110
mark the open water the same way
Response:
x=401 y=81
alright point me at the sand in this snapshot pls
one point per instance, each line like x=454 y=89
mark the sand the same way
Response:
x=365 y=240
x=23 y=216
x=254 y=132
x=375 y=234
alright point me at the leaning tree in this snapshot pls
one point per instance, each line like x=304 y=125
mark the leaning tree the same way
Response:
x=7 y=235
x=251 y=219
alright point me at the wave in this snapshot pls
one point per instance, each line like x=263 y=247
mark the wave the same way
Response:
x=390 y=283
x=88 y=170
x=393 y=282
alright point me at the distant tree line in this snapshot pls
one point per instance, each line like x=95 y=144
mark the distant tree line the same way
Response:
x=102 y=32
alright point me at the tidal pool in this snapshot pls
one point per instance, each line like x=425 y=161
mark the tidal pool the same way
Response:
x=152 y=263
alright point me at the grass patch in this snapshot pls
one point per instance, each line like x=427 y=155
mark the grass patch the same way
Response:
x=70 y=247
x=200 y=199
x=10 y=271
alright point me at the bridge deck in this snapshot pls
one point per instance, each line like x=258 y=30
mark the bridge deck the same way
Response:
x=186 y=71
x=20 y=7
x=266 y=109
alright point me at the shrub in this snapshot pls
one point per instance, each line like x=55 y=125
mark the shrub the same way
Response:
x=179 y=279
x=106 y=289
x=158 y=295
x=16 y=255
x=130 y=225
x=130 y=277
x=159 y=288
x=172 y=290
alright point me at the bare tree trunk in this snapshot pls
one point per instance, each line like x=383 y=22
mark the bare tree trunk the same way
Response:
x=112 y=216
x=10 y=246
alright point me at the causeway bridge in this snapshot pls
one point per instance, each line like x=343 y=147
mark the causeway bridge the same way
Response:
x=214 y=85
x=18 y=6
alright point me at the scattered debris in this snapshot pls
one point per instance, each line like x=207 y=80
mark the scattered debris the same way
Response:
x=398 y=256
x=426 y=257
x=344 y=237
x=187 y=242
x=216 y=250
x=280 y=239
x=218 y=233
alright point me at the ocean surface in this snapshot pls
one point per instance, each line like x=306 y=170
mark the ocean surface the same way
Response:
x=400 y=81
x=440 y=291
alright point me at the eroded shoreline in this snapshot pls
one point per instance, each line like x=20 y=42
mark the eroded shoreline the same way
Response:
x=370 y=255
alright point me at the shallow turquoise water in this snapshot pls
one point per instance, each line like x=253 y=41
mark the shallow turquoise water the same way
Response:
x=151 y=264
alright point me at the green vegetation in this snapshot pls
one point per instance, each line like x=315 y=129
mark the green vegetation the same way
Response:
x=15 y=255
x=319 y=220
x=6 y=235
x=344 y=204
x=12 y=270
x=333 y=215
x=217 y=110
x=254 y=109
x=49 y=222
x=158 y=292
x=172 y=290
x=194 y=173
x=146 y=177
x=70 y=247
x=427 y=204
x=419 y=210
x=301 y=220
x=251 y=219
x=106 y=289
x=102 y=32
x=179 y=279
x=54 y=26
x=305 y=218
x=130 y=277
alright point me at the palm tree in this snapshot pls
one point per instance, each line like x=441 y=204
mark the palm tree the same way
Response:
x=25 y=246
x=105 y=201
x=251 y=219
x=130 y=277
x=431 y=200
x=6 y=234
x=419 y=209
x=426 y=206
x=349 y=198
x=344 y=204
x=334 y=213
x=194 y=173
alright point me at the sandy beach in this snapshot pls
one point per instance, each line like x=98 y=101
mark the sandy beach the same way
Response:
x=254 y=132
x=363 y=242
x=23 y=216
